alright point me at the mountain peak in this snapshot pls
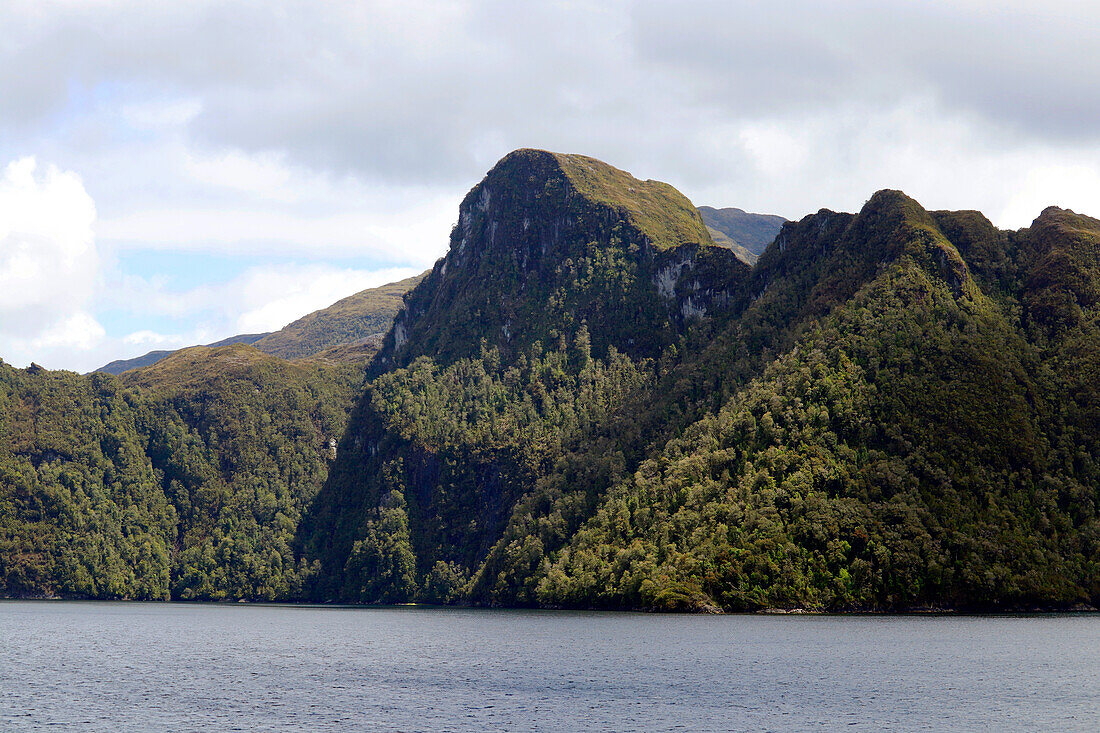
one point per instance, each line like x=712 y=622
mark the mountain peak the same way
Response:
x=663 y=214
x=892 y=202
x=1057 y=216
x=548 y=241
x=1062 y=268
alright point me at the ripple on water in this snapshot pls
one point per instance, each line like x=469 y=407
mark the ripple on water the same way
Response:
x=128 y=666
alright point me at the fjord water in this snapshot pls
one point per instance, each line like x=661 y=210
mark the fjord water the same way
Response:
x=138 y=667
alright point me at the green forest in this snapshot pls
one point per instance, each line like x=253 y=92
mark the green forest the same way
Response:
x=184 y=480
x=592 y=402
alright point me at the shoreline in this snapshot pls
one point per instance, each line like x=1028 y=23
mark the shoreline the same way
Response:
x=1074 y=609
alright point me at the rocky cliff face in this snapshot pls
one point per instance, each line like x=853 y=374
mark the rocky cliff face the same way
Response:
x=547 y=242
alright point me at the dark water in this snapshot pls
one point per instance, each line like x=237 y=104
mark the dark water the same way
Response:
x=115 y=667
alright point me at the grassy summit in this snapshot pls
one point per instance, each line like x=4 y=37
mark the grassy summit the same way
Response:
x=547 y=242
x=657 y=209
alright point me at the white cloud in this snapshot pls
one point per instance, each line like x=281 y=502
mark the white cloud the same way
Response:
x=356 y=127
x=80 y=331
x=1068 y=184
x=263 y=298
x=48 y=262
x=273 y=297
x=181 y=197
x=836 y=160
x=417 y=234
x=51 y=278
x=265 y=174
x=157 y=115
x=152 y=340
x=429 y=91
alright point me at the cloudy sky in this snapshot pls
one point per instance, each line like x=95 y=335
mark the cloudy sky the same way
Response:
x=177 y=172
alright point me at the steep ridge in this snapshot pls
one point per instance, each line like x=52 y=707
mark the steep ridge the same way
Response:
x=547 y=242
x=568 y=271
x=1061 y=270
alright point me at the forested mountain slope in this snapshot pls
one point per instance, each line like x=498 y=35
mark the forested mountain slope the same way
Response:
x=590 y=403
x=565 y=279
x=185 y=479
x=894 y=409
x=81 y=510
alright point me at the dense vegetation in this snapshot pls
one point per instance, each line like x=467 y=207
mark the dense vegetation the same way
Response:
x=898 y=409
x=186 y=479
x=81 y=512
x=591 y=403
x=442 y=452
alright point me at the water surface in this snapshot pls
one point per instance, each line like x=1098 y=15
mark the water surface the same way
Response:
x=180 y=667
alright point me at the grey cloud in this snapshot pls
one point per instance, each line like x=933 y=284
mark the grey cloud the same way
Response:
x=349 y=90
x=430 y=92
x=1034 y=68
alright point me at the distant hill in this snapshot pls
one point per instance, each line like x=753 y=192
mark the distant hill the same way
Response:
x=743 y=253
x=353 y=319
x=358 y=320
x=748 y=235
x=123 y=365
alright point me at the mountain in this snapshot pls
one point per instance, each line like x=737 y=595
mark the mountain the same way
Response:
x=358 y=320
x=590 y=403
x=556 y=261
x=547 y=242
x=895 y=409
x=746 y=234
